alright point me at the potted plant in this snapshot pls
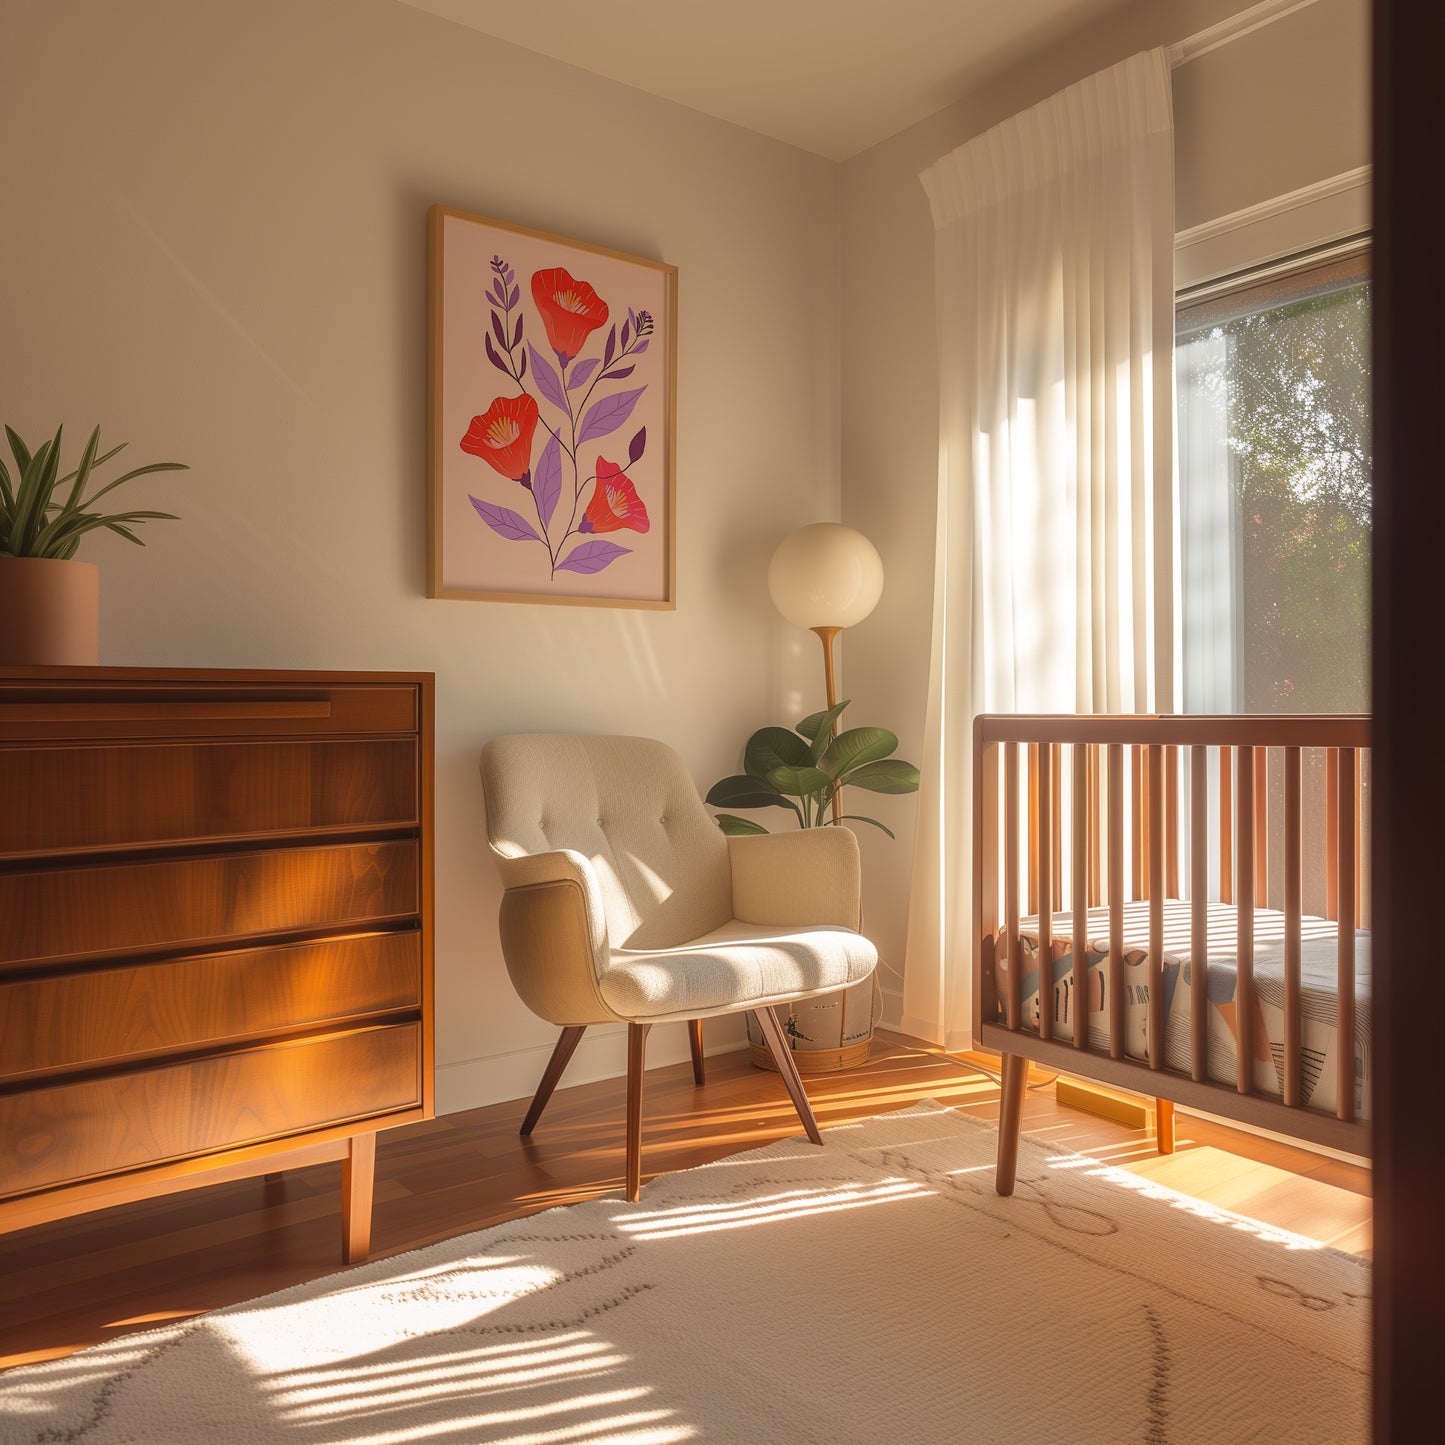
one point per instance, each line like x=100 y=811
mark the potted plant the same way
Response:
x=804 y=771
x=50 y=603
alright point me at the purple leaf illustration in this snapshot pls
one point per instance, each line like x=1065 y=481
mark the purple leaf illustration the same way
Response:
x=581 y=372
x=505 y=522
x=631 y=316
x=547 y=480
x=627 y=331
x=546 y=379
x=492 y=354
x=618 y=374
x=498 y=332
x=516 y=290
x=522 y=369
x=608 y=414
x=611 y=347
x=639 y=348
x=639 y=445
x=497 y=295
x=517 y=335
x=592 y=557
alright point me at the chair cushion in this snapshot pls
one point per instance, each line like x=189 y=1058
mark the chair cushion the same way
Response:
x=738 y=966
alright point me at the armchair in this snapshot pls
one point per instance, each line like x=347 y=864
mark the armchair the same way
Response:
x=624 y=903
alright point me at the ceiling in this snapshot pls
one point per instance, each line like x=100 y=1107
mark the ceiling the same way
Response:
x=831 y=76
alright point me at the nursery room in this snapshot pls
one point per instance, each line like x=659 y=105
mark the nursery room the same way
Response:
x=710 y=721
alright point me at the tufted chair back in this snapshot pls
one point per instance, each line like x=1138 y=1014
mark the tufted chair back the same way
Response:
x=628 y=806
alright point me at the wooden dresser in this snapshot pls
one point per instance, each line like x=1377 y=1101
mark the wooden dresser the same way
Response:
x=215 y=930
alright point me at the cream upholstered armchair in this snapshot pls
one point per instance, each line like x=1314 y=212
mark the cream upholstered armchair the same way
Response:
x=624 y=903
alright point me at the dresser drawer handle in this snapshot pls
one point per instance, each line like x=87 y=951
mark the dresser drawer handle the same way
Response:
x=150 y=711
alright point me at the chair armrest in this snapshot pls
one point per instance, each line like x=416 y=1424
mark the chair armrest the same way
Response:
x=554 y=935
x=795 y=879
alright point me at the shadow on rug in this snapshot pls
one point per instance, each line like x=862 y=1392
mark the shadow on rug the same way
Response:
x=875 y=1289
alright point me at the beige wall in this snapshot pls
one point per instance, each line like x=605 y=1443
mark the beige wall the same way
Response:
x=1273 y=111
x=214 y=246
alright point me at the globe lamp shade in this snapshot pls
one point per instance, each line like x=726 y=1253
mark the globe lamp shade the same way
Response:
x=825 y=575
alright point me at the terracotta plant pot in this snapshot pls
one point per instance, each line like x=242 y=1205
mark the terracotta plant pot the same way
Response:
x=49 y=612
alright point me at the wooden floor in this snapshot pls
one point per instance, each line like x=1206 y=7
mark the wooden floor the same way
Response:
x=68 y=1285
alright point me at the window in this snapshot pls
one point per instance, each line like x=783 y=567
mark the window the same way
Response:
x=1275 y=490
x=1273 y=378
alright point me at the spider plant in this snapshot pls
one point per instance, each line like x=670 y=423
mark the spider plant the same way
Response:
x=35 y=523
x=802 y=770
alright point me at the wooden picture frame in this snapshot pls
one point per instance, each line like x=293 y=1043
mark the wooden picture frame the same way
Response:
x=552 y=411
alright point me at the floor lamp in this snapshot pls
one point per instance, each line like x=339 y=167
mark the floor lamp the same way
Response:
x=826 y=577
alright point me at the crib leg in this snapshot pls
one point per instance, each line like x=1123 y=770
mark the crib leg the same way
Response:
x=1164 y=1125
x=1011 y=1114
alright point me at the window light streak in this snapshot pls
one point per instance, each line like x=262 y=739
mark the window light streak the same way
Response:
x=745 y=1219
x=341 y=1402
x=501 y=1353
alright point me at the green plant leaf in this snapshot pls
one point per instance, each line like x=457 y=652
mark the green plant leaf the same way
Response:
x=736 y=827
x=82 y=472
x=7 y=499
x=741 y=791
x=859 y=818
x=20 y=451
x=855 y=747
x=94 y=497
x=799 y=782
x=892 y=775
x=33 y=497
x=819 y=724
x=770 y=748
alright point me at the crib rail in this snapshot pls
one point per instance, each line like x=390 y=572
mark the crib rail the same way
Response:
x=1073 y=812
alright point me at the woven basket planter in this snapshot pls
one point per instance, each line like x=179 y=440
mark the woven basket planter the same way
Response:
x=829 y=1033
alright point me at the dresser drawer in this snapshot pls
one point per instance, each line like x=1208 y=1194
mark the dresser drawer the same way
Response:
x=83 y=798
x=34 y=712
x=114 y=909
x=65 y=1132
x=89 y=1017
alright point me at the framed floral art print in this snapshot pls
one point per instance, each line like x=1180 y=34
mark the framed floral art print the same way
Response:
x=553 y=399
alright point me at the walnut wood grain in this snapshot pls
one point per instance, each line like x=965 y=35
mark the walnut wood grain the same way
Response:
x=119 y=908
x=136 y=794
x=85 y=1017
x=99 y=1126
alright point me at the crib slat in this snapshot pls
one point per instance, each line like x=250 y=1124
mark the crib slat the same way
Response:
x=985 y=879
x=1116 y=900
x=1244 y=912
x=1056 y=765
x=1261 y=827
x=1345 y=982
x=1155 y=887
x=1080 y=861
x=1199 y=912
x=1171 y=820
x=1292 y=1019
x=1046 y=892
x=1011 y=882
x=1096 y=814
x=1332 y=832
x=1226 y=826
x=1033 y=898
x=1359 y=869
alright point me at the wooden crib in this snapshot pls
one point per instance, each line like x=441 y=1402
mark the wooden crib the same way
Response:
x=1148 y=848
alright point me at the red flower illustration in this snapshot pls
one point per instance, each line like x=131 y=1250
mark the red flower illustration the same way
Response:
x=571 y=310
x=503 y=437
x=615 y=503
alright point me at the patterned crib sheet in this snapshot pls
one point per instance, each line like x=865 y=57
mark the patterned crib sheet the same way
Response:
x=1319 y=1046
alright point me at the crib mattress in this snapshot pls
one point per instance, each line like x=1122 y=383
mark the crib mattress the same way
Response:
x=1318 y=984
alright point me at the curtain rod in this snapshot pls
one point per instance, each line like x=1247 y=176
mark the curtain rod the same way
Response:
x=1234 y=28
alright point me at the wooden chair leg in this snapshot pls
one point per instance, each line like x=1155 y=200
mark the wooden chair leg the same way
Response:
x=694 y=1036
x=358 y=1177
x=636 y=1040
x=1010 y=1119
x=1164 y=1125
x=783 y=1058
x=561 y=1055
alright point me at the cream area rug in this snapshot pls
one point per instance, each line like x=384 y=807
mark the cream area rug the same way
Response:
x=873 y=1290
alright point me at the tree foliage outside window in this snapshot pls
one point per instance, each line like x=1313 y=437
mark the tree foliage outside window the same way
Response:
x=1294 y=379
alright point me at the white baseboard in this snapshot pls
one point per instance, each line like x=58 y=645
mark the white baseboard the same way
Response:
x=602 y=1054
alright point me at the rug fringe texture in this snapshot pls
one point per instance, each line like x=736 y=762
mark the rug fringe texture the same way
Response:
x=875 y=1289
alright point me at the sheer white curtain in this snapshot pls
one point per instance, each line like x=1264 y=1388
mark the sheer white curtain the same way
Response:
x=1055 y=586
